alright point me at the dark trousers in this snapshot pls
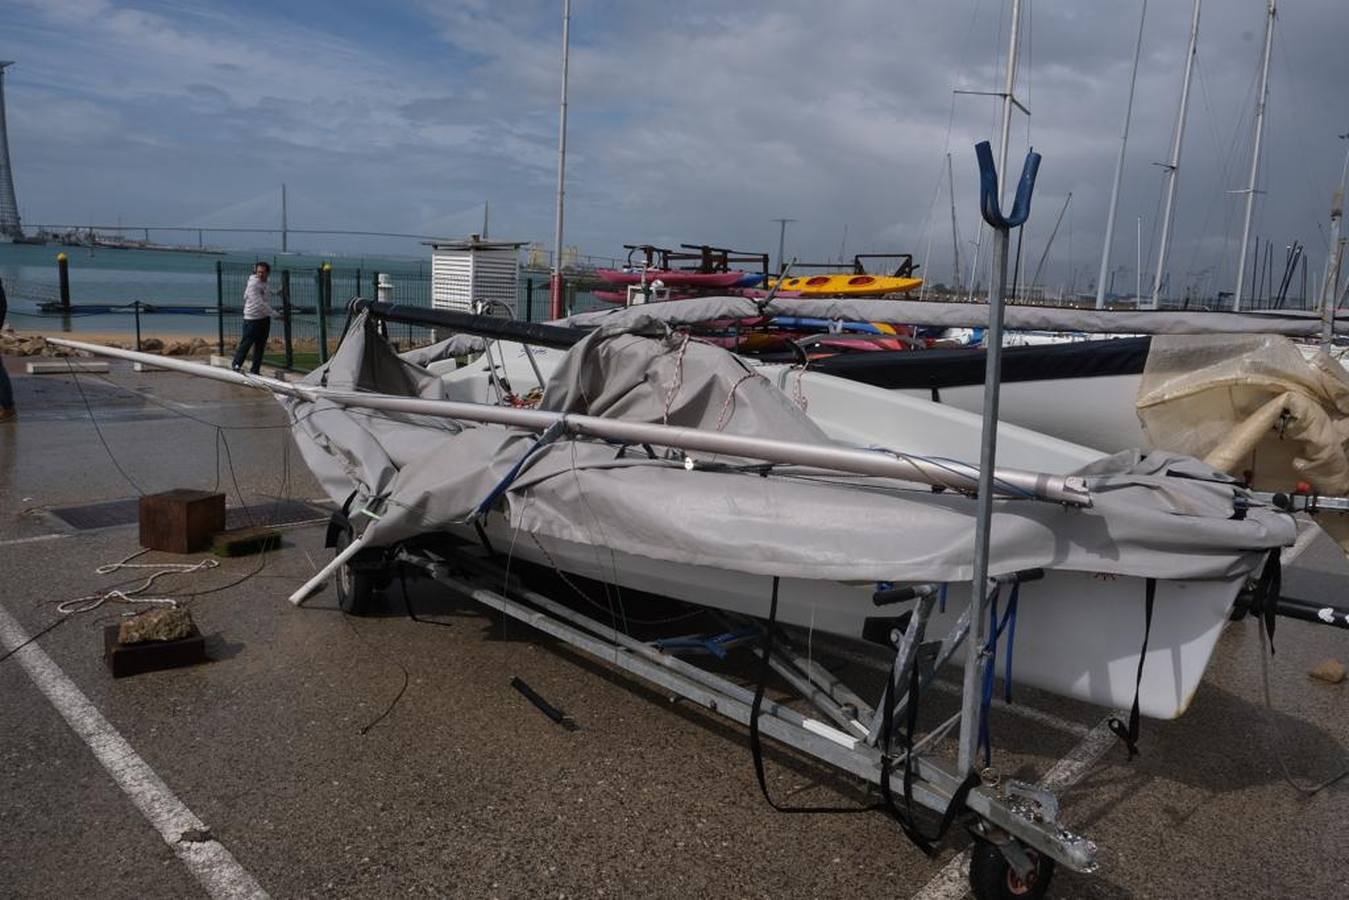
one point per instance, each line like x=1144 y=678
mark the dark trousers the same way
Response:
x=6 y=392
x=255 y=338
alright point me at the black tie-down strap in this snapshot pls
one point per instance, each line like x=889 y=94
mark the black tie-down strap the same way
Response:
x=902 y=815
x=340 y=522
x=1130 y=734
x=1267 y=589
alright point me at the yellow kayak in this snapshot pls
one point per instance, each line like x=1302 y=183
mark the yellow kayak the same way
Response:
x=848 y=285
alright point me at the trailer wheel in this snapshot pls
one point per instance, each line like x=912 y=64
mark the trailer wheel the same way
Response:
x=993 y=878
x=355 y=588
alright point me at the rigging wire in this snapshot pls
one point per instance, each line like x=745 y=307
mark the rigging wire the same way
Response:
x=99 y=431
x=1295 y=111
x=929 y=221
x=1225 y=152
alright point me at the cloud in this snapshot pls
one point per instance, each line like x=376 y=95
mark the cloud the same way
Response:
x=697 y=121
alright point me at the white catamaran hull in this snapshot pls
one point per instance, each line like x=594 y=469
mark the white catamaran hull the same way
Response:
x=1078 y=634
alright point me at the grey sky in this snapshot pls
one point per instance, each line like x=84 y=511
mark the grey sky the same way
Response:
x=697 y=121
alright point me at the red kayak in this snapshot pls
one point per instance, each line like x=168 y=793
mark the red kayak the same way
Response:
x=673 y=278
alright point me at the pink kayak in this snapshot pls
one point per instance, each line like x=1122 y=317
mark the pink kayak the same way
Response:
x=621 y=297
x=673 y=278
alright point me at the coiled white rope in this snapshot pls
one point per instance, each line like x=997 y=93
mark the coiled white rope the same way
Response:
x=91 y=602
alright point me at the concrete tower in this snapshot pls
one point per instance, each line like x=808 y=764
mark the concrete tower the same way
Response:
x=9 y=207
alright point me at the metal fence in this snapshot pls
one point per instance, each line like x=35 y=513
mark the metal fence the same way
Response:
x=312 y=303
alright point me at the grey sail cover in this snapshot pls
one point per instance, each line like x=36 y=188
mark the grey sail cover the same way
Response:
x=963 y=315
x=1156 y=515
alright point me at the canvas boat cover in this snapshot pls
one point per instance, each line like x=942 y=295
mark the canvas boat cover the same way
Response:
x=965 y=315
x=1158 y=515
x=1258 y=407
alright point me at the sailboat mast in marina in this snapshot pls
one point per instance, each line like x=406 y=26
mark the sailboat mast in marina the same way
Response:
x=1262 y=95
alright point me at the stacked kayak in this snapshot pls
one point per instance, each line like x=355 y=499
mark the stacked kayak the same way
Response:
x=848 y=284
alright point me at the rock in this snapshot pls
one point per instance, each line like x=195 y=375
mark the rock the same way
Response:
x=1331 y=671
x=167 y=623
x=200 y=347
x=178 y=348
x=152 y=345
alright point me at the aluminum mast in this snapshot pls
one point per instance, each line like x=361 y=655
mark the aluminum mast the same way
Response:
x=1172 y=167
x=1330 y=289
x=555 y=282
x=1119 y=169
x=955 y=230
x=1260 y=101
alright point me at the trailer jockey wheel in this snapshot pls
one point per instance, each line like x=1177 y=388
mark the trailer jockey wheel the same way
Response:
x=993 y=878
x=355 y=585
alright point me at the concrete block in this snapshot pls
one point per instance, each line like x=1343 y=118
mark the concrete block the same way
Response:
x=58 y=366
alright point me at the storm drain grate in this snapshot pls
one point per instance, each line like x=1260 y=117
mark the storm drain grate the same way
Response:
x=127 y=512
x=99 y=515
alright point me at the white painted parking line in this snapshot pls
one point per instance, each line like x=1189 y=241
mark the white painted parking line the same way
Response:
x=1069 y=770
x=214 y=867
x=34 y=539
x=952 y=882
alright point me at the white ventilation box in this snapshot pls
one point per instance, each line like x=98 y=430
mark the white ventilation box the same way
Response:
x=475 y=269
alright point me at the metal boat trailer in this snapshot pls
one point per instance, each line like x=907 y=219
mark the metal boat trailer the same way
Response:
x=1018 y=838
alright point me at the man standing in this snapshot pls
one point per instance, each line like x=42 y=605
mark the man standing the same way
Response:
x=6 y=392
x=257 y=319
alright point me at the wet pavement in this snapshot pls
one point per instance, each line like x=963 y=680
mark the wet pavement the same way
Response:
x=290 y=746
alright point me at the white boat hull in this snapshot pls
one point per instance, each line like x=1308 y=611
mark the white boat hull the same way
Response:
x=1096 y=412
x=1077 y=635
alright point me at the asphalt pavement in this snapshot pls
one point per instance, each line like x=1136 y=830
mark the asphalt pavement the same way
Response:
x=333 y=756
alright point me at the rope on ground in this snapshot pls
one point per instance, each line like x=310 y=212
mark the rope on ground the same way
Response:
x=91 y=602
x=1305 y=788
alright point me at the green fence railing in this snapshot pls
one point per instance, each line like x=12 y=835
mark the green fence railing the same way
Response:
x=313 y=306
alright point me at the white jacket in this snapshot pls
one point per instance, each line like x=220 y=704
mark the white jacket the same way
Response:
x=256 y=299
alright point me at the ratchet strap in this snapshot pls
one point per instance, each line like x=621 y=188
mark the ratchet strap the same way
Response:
x=1129 y=734
x=755 y=745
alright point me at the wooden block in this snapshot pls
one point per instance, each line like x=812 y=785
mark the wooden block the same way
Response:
x=147 y=656
x=181 y=521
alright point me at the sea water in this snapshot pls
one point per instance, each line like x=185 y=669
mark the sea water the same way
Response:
x=117 y=276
